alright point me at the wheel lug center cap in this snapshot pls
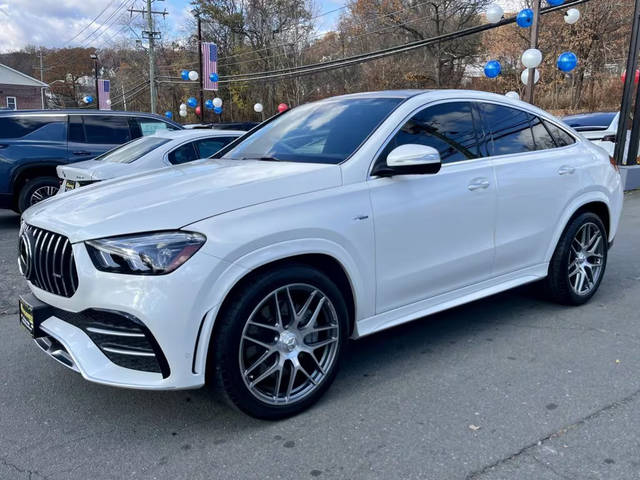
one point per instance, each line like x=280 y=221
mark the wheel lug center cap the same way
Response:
x=288 y=341
x=582 y=257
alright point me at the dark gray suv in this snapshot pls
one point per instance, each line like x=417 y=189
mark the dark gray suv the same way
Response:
x=33 y=143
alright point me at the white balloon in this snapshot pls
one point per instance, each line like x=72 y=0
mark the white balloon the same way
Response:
x=109 y=101
x=183 y=106
x=217 y=102
x=532 y=58
x=257 y=108
x=572 y=16
x=524 y=76
x=183 y=113
x=512 y=95
x=494 y=13
x=193 y=75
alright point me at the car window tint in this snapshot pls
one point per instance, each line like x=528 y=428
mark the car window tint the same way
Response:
x=209 y=146
x=32 y=127
x=183 y=154
x=510 y=129
x=561 y=137
x=103 y=129
x=149 y=126
x=76 y=129
x=447 y=127
x=541 y=135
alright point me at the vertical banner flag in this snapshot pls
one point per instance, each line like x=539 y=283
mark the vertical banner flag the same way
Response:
x=209 y=64
x=104 y=88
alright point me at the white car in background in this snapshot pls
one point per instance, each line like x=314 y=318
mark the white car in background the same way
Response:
x=163 y=149
x=336 y=219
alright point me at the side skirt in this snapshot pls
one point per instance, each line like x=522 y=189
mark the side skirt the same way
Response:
x=448 y=300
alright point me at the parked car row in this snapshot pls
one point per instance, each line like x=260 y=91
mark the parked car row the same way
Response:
x=334 y=220
x=34 y=143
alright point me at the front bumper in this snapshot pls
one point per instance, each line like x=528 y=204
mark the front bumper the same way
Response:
x=169 y=309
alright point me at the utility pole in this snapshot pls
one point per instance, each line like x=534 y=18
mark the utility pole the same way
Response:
x=534 y=44
x=152 y=36
x=124 y=99
x=42 y=78
x=94 y=57
x=197 y=14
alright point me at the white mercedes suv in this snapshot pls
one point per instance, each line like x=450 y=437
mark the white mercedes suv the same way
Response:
x=334 y=220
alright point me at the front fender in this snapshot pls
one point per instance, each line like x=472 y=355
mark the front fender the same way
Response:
x=237 y=270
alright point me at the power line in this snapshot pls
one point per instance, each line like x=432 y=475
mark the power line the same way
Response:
x=361 y=58
x=91 y=23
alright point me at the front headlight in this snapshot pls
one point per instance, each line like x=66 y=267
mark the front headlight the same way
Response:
x=144 y=254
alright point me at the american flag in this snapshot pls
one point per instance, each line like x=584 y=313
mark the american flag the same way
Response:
x=209 y=64
x=104 y=89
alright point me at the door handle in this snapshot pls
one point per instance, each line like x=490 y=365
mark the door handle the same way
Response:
x=566 y=170
x=478 y=184
x=82 y=152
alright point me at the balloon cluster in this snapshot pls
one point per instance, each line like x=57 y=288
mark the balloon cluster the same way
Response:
x=88 y=99
x=189 y=75
x=531 y=58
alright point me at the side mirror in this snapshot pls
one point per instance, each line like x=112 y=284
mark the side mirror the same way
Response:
x=411 y=159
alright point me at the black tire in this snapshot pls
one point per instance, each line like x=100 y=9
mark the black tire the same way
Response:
x=557 y=284
x=25 y=199
x=226 y=342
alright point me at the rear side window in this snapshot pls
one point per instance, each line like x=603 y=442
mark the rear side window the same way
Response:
x=561 y=137
x=510 y=129
x=209 y=146
x=149 y=126
x=541 y=135
x=183 y=154
x=33 y=127
x=103 y=129
x=447 y=127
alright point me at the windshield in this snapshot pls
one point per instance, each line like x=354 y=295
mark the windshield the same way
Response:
x=132 y=151
x=321 y=132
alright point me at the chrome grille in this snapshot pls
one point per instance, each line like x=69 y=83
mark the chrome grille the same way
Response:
x=46 y=260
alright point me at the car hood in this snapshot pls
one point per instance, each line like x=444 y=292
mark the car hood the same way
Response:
x=91 y=170
x=174 y=197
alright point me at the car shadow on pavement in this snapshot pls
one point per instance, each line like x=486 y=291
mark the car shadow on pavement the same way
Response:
x=368 y=363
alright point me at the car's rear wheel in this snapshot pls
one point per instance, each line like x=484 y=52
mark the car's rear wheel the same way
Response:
x=579 y=262
x=36 y=190
x=279 y=341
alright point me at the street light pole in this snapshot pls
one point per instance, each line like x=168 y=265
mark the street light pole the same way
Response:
x=94 y=57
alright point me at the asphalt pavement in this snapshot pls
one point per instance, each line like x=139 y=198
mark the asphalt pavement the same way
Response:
x=509 y=387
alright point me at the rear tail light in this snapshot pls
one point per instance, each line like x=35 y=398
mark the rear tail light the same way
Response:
x=613 y=163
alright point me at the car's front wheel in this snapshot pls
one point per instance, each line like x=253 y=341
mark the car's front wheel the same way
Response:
x=36 y=190
x=578 y=264
x=279 y=341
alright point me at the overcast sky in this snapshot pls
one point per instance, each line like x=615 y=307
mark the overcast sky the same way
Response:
x=59 y=23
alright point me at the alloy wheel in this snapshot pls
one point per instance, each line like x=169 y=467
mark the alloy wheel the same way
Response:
x=289 y=344
x=42 y=193
x=586 y=259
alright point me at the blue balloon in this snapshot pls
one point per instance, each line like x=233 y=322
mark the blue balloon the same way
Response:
x=184 y=74
x=524 y=18
x=567 y=61
x=555 y=3
x=168 y=114
x=492 y=69
x=214 y=77
x=209 y=104
x=192 y=102
x=217 y=110
x=89 y=99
